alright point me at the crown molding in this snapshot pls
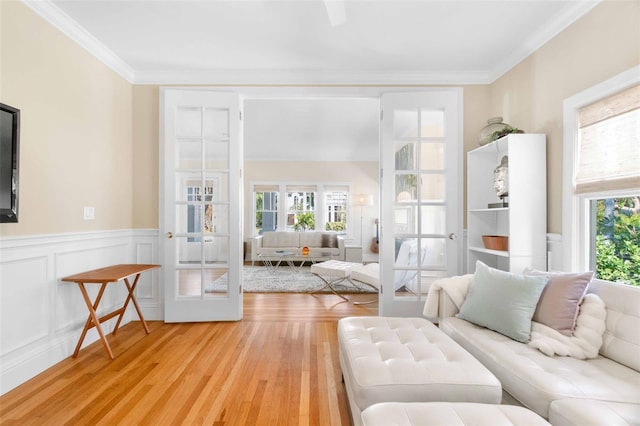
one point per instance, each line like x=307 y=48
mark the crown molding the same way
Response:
x=308 y=77
x=571 y=14
x=52 y=14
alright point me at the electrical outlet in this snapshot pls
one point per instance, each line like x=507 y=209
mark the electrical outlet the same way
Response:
x=89 y=213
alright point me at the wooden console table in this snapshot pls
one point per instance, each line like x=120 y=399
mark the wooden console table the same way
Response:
x=104 y=276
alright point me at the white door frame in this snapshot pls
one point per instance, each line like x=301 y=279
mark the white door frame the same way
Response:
x=352 y=92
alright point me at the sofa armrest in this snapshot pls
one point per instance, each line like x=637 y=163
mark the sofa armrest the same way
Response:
x=446 y=296
x=341 y=247
x=452 y=295
x=446 y=307
x=256 y=243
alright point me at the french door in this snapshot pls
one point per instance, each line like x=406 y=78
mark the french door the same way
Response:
x=201 y=203
x=421 y=196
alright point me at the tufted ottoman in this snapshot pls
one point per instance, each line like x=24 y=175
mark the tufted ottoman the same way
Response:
x=408 y=360
x=448 y=413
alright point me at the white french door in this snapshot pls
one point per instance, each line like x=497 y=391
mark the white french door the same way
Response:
x=201 y=205
x=421 y=196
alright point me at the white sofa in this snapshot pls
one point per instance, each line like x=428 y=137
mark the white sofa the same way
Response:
x=321 y=245
x=565 y=390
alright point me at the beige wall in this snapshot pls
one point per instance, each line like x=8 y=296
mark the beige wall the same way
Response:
x=476 y=105
x=602 y=44
x=75 y=147
x=145 y=156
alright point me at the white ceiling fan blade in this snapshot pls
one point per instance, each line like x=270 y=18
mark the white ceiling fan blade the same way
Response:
x=336 y=12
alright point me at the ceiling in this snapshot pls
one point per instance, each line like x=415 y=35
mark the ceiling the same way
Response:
x=302 y=41
x=252 y=43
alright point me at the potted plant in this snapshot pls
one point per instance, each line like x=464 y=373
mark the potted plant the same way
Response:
x=504 y=132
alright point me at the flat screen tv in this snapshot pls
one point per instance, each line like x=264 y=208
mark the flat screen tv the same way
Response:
x=9 y=162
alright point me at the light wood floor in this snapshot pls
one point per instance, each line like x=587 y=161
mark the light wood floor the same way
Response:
x=278 y=366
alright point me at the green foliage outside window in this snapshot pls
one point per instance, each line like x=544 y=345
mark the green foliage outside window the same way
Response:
x=259 y=208
x=304 y=221
x=618 y=240
x=335 y=226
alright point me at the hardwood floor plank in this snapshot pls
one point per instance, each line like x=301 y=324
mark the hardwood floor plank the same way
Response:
x=278 y=366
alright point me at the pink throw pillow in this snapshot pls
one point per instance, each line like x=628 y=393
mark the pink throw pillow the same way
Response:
x=560 y=300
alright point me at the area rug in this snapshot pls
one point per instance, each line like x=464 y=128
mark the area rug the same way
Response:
x=258 y=279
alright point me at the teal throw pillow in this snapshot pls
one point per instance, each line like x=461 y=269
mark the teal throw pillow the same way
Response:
x=502 y=301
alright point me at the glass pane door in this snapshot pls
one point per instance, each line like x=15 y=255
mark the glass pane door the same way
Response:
x=202 y=268
x=420 y=187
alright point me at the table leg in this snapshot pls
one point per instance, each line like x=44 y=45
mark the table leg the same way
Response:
x=131 y=297
x=292 y=265
x=329 y=284
x=268 y=264
x=93 y=317
x=366 y=302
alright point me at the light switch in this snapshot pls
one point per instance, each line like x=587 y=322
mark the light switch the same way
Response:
x=89 y=213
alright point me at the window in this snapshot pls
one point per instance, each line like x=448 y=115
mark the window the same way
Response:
x=197 y=221
x=601 y=218
x=305 y=207
x=615 y=239
x=266 y=208
x=335 y=202
x=301 y=208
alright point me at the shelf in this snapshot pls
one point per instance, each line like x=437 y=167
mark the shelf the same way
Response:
x=499 y=209
x=502 y=253
x=527 y=196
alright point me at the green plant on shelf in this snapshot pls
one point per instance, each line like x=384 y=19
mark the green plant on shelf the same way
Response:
x=504 y=132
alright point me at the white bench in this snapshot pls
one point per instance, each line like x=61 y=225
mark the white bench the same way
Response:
x=408 y=360
x=335 y=271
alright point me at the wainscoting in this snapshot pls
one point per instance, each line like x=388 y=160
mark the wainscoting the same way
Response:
x=41 y=317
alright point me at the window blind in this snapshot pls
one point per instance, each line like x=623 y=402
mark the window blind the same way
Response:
x=266 y=188
x=609 y=143
x=302 y=188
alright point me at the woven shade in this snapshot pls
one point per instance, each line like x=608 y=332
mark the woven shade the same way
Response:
x=609 y=144
x=302 y=188
x=266 y=188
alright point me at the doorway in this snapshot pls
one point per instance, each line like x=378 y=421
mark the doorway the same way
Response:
x=291 y=162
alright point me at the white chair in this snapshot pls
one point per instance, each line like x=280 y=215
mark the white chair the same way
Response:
x=407 y=258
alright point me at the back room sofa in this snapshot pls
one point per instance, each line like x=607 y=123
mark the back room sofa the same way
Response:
x=328 y=245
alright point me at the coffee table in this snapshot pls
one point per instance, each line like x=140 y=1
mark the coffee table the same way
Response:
x=282 y=256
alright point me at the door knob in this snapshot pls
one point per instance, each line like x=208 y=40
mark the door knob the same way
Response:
x=452 y=236
x=168 y=235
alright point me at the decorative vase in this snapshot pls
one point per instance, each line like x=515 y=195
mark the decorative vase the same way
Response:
x=494 y=124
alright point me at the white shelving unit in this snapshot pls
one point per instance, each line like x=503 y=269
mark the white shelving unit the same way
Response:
x=524 y=221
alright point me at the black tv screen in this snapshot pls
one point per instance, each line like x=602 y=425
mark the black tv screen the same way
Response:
x=9 y=162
